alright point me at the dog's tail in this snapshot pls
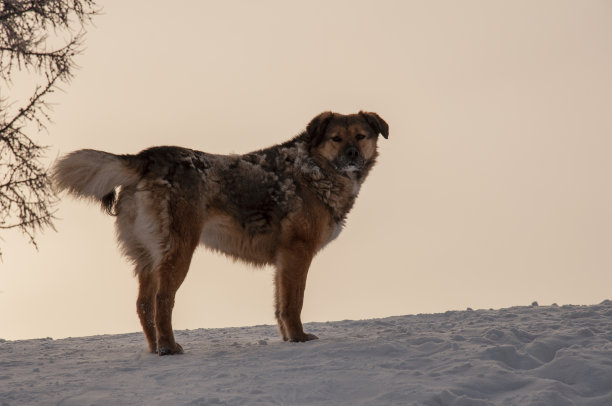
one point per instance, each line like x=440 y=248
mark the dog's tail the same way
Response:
x=95 y=175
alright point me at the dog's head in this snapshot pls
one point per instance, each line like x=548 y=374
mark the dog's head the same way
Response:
x=348 y=142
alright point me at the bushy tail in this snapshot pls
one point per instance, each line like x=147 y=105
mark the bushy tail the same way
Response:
x=92 y=174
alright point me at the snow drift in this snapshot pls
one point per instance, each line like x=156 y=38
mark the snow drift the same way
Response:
x=518 y=356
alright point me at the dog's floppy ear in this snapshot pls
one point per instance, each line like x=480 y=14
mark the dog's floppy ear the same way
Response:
x=317 y=126
x=378 y=124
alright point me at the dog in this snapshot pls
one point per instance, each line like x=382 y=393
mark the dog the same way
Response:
x=277 y=206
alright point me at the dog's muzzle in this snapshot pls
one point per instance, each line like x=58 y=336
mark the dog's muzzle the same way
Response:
x=351 y=153
x=350 y=160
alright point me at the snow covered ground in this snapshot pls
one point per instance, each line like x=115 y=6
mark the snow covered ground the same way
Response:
x=532 y=355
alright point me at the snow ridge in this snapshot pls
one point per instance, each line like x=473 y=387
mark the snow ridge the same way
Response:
x=531 y=355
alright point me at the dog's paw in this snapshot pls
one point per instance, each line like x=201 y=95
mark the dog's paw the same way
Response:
x=303 y=338
x=177 y=349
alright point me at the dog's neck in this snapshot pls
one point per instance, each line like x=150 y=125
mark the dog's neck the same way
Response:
x=336 y=189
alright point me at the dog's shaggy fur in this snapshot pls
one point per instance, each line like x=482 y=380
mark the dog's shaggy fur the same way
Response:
x=276 y=206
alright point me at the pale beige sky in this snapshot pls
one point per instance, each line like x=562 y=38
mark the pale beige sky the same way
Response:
x=493 y=189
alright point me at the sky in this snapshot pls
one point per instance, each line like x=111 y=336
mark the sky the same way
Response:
x=492 y=190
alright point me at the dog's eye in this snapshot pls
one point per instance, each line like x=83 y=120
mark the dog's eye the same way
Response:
x=359 y=137
x=336 y=139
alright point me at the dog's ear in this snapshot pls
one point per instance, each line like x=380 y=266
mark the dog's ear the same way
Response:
x=378 y=124
x=317 y=126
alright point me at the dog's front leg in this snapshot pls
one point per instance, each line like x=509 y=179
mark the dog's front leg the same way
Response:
x=291 y=270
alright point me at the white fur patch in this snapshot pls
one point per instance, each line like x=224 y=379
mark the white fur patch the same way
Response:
x=350 y=168
x=145 y=229
x=335 y=233
x=337 y=230
x=356 y=188
x=214 y=234
x=151 y=224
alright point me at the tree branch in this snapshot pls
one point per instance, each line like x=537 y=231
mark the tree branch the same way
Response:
x=26 y=196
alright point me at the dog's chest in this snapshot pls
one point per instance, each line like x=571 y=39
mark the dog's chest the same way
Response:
x=336 y=232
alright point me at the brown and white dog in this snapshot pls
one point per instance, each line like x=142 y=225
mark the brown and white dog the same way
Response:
x=276 y=206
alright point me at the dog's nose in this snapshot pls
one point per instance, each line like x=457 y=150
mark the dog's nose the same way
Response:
x=352 y=152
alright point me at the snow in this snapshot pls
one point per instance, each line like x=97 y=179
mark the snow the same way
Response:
x=530 y=355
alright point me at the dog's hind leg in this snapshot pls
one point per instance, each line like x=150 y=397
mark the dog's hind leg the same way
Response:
x=145 y=305
x=171 y=274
